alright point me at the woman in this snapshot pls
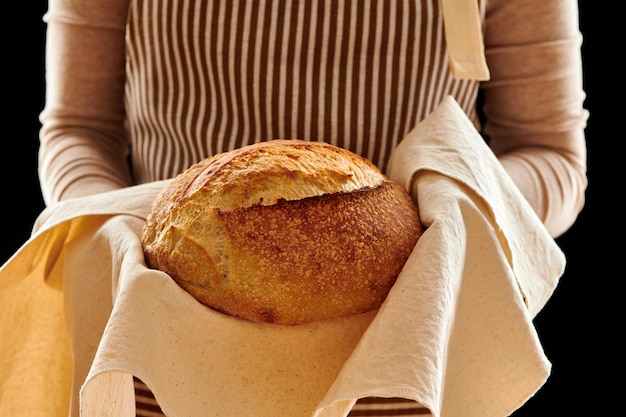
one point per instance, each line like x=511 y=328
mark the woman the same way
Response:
x=139 y=90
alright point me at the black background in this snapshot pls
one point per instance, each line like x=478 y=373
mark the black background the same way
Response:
x=580 y=325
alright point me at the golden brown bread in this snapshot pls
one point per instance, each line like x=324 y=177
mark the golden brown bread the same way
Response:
x=284 y=232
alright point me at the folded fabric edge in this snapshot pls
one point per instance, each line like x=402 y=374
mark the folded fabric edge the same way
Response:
x=134 y=200
x=56 y=225
x=110 y=389
x=421 y=150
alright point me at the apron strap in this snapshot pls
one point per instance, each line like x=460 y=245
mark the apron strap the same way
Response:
x=463 y=31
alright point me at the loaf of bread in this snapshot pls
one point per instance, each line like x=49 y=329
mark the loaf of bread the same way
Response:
x=285 y=232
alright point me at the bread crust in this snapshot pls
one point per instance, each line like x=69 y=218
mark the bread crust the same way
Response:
x=280 y=257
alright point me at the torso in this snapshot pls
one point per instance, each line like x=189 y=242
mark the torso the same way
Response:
x=356 y=74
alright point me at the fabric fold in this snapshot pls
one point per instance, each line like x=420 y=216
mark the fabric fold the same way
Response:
x=446 y=142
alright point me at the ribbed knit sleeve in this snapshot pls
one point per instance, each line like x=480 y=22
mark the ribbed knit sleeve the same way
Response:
x=83 y=142
x=534 y=104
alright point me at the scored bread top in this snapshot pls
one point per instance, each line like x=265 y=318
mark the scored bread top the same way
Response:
x=282 y=169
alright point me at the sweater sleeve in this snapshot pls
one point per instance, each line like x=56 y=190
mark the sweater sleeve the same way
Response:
x=83 y=143
x=535 y=119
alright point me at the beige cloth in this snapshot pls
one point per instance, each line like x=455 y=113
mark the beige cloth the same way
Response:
x=455 y=332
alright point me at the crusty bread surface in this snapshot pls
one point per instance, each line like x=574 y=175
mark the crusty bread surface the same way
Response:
x=285 y=232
